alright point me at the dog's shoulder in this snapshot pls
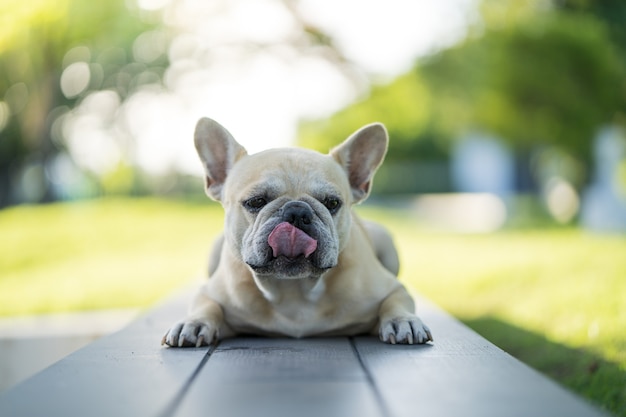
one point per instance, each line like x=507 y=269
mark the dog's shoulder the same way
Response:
x=380 y=241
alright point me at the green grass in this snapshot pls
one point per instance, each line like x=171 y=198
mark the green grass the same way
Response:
x=101 y=254
x=555 y=298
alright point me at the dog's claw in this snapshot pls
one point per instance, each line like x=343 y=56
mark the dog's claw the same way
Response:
x=404 y=330
x=191 y=333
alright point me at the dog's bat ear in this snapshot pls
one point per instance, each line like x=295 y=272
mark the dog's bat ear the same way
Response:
x=218 y=151
x=361 y=155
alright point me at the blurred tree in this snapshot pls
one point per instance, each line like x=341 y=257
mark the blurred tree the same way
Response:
x=403 y=106
x=68 y=68
x=35 y=37
x=529 y=73
x=551 y=82
x=611 y=12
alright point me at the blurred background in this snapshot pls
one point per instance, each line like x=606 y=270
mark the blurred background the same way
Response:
x=508 y=153
x=512 y=98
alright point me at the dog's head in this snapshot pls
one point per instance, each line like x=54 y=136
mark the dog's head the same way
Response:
x=288 y=210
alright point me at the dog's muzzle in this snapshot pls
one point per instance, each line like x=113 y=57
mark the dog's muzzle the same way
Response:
x=291 y=238
x=293 y=245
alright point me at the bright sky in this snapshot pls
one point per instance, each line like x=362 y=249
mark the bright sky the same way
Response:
x=258 y=96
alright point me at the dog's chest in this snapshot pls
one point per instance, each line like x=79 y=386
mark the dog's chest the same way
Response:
x=299 y=317
x=298 y=313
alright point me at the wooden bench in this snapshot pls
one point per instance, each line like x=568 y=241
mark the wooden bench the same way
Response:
x=130 y=374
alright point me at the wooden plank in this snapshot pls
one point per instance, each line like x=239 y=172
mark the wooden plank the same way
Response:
x=127 y=373
x=462 y=374
x=282 y=377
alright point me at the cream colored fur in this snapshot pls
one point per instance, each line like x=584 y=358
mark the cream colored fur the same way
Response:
x=347 y=287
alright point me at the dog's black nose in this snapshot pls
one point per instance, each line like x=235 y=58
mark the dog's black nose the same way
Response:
x=298 y=214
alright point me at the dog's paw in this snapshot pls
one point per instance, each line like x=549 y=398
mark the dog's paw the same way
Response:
x=407 y=330
x=190 y=333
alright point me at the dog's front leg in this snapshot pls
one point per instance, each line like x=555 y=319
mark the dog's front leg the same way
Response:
x=203 y=326
x=397 y=321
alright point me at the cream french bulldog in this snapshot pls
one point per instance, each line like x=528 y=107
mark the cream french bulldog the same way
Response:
x=294 y=260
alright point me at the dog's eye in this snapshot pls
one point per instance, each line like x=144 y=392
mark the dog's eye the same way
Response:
x=255 y=204
x=332 y=204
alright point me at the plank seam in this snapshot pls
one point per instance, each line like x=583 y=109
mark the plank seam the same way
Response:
x=382 y=405
x=170 y=410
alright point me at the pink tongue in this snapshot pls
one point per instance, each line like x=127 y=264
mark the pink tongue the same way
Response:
x=289 y=241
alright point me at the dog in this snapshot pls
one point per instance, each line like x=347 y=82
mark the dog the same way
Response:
x=294 y=259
